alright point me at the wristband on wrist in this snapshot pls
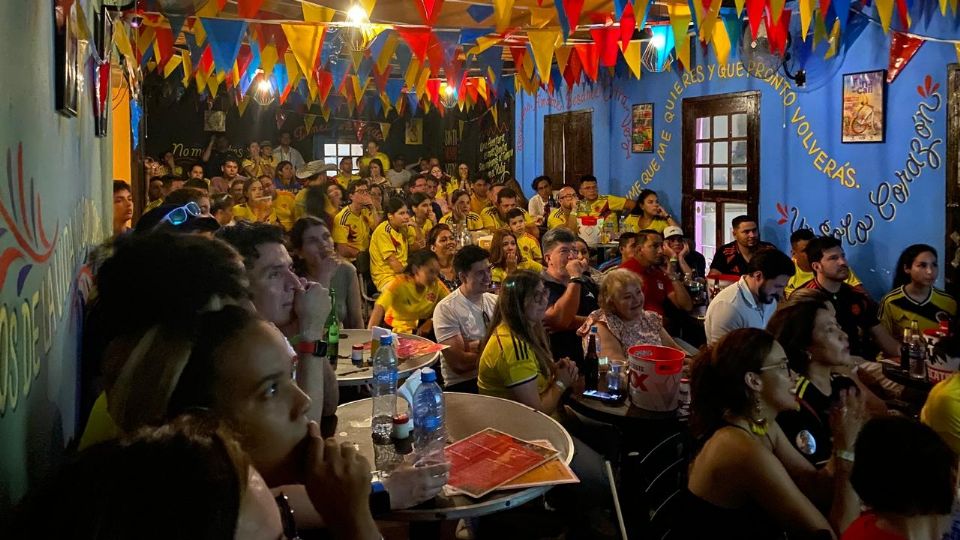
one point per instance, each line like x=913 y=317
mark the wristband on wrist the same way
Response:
x=559 y=384
x=579 y=280
x=845 y=455
x=379 y=499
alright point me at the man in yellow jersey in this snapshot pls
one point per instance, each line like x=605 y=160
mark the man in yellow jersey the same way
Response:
x=601 y=205
x=373 y=152
x=495 y=217
x=478 y=199
x=566 y=215
x=798 y=242
x=345 y=174
x=355 y=223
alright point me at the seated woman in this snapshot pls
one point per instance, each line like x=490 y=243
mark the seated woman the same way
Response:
x=818 y=351
x=376 y=177
x=388 y=244
x=317 y=260
x=914 y=298
x=191 y=468
x=648 y=214
x=286 y=179
x=256 y=207
x=621 y=320
x=505 y=257
x=441 y=241
x=583 y=252
x=747 y=477
x=422 y=221
x=911 y=497
x=460 y=212
x=335 y=197
x=516 y=362
x=407 y=303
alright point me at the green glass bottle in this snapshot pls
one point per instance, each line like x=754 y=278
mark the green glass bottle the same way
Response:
x=333 y=331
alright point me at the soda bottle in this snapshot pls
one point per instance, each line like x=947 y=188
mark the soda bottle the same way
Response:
x=591 y=360
x=332 y=327
x=430 y=436
x=905 y=351
x=384 y=392
x=918 y=357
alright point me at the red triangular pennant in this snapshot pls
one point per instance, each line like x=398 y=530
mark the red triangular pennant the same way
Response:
x=247 y=9
x=380 y=79
x=418 y=39
x=324 y=84
x=588 y=59
x=628 y=23
x=755 y=15
x=164 y=44
x=573 y=9
x=605 y=38
x=429 y=9
x=573 y=71
x=902 y=49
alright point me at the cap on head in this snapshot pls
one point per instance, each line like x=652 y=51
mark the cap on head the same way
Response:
x=672 y=230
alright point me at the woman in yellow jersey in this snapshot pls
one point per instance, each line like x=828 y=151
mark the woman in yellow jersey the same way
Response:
x=648 y=214
x=505 y=256
x=460 y=212
x=388 y=244
x=516 y=362
x=258 y=207
x=914 y=296
x=422 y=222
x=334 y=197
x=407 y=303
x=461 y=180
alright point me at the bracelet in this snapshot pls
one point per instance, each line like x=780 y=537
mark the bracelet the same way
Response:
x=845 y=455
x=559 y=384
x=579 y=280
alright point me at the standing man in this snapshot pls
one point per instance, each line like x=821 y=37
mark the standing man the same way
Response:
x=657 y=285
x=856 y=311
x=122 y=207
x=732 y=258
x=215 y=154
x=601 y=205
x=566 y=214
x=460 y=320
x=571 y=296
x=285 y=152
x=751 y=302
x=373 y=152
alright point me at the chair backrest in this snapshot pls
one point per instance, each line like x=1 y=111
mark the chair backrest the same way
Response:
x=663 y=477
x=363 y=263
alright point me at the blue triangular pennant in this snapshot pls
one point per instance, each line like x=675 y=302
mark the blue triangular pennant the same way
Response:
x=404 y=55
x=176 y=24
x=147 y=55
x=842 y=10
x=377 y=106
x=469 y=35
x=855 y=26
x=393 y=89
x=731 y=21
x=329 y=44
x=279 y=76
x=196 y=51
x=562 y=18
x=493 y=59
x=479 y=12
x=449 y=41
x=338 y=68
x=252 y=67
x=414 y=100
x=363 y=72
x=224 y=36
x=618 y=6
x=376 y=46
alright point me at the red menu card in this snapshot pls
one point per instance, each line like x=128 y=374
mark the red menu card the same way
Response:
x=487 y=459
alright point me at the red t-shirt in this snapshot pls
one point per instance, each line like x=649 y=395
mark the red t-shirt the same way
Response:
x=656 y=285
x=865 y=528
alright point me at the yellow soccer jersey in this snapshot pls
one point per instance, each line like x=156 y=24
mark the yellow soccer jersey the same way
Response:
x=384 y=160
x=345 y=179
x=474 y=221
x=942 y=411
x=384 y=242
x=412 y=232
x=508 y=362
x=244 y=213
x=285 y=206
x=529 y=247
x=405 y=306
x=800 y=277
x=477 y=204
x=557 y=218
x=492 y=221
x=353 y=229
x=897 y=310
x=631 y=223
x=497 y=274
x=606 y=204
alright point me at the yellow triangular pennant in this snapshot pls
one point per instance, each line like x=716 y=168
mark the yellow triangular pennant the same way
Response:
x=834 y=40
x=187 y=67
x=739 y=5
x=242 y=106
x=540 y=16
x=543 y=42
x=806 y=15
x=776 y=8
x=482 y=85
x=385 y=129
x=145 y=39
x=885 y=11
x=199 y=34
x=413 y=73
x=172 y=64
x=484 y=43
x=368 y=6
x=721 y=41
x=632 y=56
x=304 y=41
x=460 y=124
x=82 y=28
x=293 y=70
x=268 y=59
x=496 y=114
x=386 y=53
x=315 y=13
x=680 y=18
x=707 y=25
x=819 y=30
x=943 y=7
x=503 y=12
x=122 y=40
x=563 y=54
x=210 y=9
x=308 y=120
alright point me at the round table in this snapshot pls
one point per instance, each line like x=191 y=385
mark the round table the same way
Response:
x=619 y=413
x=350 y=375
x=466 y=414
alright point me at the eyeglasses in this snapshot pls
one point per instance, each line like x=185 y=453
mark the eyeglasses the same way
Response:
x=178 y=216
x=784 y=365
x=286 y=517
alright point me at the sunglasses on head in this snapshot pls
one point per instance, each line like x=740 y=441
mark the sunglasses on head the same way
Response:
x=178 y=216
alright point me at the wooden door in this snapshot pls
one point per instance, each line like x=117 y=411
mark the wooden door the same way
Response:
x=950 y=260
x=567 y=146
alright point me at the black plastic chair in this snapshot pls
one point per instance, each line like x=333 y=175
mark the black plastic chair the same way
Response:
x=662 y=475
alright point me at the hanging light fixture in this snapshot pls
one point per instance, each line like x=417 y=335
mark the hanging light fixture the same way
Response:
x=448 y=96
x=658 y=53
x=263 y=93
x=358 y=24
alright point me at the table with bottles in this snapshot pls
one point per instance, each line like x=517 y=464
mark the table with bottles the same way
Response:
x=464 y=415
x=349 y=374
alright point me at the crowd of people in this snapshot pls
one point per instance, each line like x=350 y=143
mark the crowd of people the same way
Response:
x=209 y=382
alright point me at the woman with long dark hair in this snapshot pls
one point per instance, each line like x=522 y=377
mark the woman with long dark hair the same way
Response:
x=505 y=256
x=914 y=297
x=258 y=207
x=407 y=303
x=388 y=244
x=648 y=214
x=317 y=260
x=441 y=241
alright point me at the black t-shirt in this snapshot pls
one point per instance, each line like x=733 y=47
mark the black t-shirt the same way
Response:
x=567 y=343
x=808 y=428
x=213 y=166
x=696 y=262
x=729 y=260
x=856 y=315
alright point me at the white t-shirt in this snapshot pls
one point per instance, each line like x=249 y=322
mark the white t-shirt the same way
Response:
x=735 y=307
x=398 y=179
x=456 y=315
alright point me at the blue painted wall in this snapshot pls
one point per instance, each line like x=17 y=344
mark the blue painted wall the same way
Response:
x=792 y=121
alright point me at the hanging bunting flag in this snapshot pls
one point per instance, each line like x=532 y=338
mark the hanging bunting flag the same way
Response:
x=562 y=19
x=308 y=120
x=484 y=43
x=493 y=59
x=387 y=49
x=572 y=9
x=503 y=11
x=317 y=14
x=247 y=9
x=122 y=40
x=739 y=6
x=176 y=24
x=268 y=59
x=627 y=26
x=368 y=6
x=377 y=44
x=385 y=129
x=732 y=26
x=902 y=50
x=242 y=106
x=777 y=33
x=209 y=9
x=381 y=77
x=641 y=8
x=363 y=72
x=819 y=31
x=707 y=23
x=470 y=35
x=834 y=41
x=606 y=38
x=903 y=14
x=479 y=12
x=187 y=68
x=429 y=9
x=449 y=43
x=394 y=88
x=631 y=55
x=885 y=11
x=542 y=44
x=414 y=102
x=338 y=69
x=618 y=6
x=855 y=26
x=574 y=70
x=417 y=38
x=324 y=84
x=776 y=8
x=827 y=13
x=172 y=65
x=224 y=36
x=589 y=61
x=563 y=54
x=412 y=74
x=755 y=16
x=680 y=17
x=305 y=42
x=518 y=53
x=842 y=10
x=720 y=41
x=806 y=15
x=541 y=16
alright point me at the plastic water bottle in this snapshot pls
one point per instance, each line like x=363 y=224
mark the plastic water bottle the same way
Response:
x=430 y=436
x=384 y=403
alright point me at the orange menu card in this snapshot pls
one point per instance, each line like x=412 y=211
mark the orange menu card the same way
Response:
x=488 y=459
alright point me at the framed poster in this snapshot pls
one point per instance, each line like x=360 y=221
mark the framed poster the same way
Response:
x=414 y=133
x=864 y=107
x=66 y=57
x=641 y=138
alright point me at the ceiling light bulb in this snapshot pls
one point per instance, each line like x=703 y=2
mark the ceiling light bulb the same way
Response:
x=658 y=41
x=264 y=86
x=356 y=14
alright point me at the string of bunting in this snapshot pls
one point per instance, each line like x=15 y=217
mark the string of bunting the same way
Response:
x=410 y=67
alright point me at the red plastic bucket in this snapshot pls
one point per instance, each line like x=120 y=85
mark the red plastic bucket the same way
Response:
x=655 y=376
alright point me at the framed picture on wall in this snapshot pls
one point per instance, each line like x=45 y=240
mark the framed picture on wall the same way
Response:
x=864 y=107
x=66 y=57
x=641 y=138
x=414 y=133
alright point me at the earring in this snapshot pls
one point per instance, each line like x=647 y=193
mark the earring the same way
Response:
x=758 y=424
